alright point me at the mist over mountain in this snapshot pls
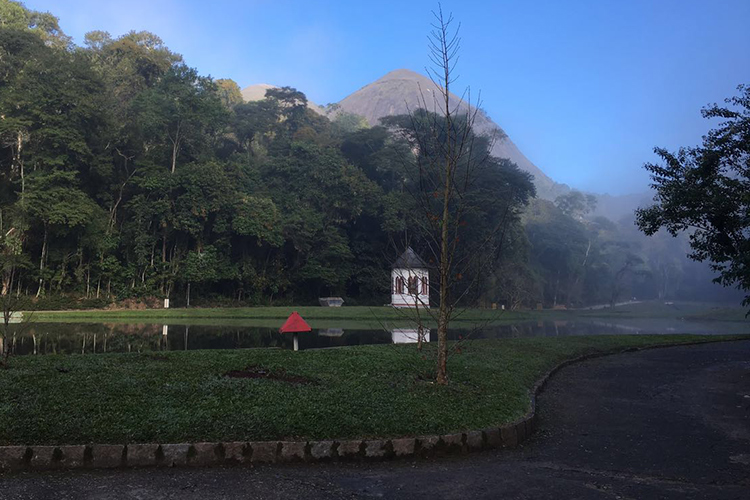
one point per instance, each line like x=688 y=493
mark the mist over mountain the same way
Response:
x=403 y=90
x=616 y=207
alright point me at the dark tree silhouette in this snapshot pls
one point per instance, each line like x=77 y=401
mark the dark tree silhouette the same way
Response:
x=706 y=190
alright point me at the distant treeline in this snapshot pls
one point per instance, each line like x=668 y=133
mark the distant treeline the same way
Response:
x=126 y=174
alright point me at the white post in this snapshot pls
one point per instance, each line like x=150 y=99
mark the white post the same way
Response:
x=296 y=342
x=166 y=303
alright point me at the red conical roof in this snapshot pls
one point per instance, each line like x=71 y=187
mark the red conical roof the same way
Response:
x=295 y=324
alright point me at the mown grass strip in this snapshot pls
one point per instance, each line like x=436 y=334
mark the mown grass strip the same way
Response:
x=359 y=313
x=690 y=311
x=363 y=391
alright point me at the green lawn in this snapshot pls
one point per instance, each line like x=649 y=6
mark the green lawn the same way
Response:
x=377 y=315
x=375 y=390
x=694 y=311
x=358 y=313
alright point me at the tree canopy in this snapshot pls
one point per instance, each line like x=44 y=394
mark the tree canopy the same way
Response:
x=125 y=173
x=706 y=190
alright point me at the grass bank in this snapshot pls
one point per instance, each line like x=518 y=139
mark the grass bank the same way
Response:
x=272 y=316
x=357 y=313
x=691 y=311
x=376 y=390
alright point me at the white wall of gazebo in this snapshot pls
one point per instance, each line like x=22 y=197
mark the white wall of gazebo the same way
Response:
x=410 y=287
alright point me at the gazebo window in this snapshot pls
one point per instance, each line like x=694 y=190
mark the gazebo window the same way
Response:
x=413 y=285
x=399 y=284
x=425 y=288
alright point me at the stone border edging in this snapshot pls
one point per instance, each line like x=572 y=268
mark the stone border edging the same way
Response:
x=108 y=456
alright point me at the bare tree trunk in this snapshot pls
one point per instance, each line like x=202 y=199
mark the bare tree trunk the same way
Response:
x=63 y=271
x=113 y=209
x=557 y=287
x=7 y=282
x=443 y=52
x=443 y=160
x=574 y=288
x=443 y=311
x=175 y=146
x=18 y=160
x=440 y=148
x=42 y=257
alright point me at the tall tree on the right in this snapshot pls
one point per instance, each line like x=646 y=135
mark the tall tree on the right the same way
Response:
x=706 y=190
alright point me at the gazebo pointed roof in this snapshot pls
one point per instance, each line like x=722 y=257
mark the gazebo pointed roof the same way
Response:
x=409 y=260
x=295 y=324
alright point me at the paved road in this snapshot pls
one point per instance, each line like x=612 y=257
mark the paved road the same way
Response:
x=668 y=424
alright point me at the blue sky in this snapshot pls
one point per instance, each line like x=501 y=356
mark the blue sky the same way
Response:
x=585 y=88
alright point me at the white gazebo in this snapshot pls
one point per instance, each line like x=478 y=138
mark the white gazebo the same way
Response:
x=410 y=281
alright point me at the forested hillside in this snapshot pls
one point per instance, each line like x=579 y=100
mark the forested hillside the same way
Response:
x=124 y=173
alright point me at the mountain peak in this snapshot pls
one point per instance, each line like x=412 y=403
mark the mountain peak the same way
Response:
x=256 y=92
x=403 y=90
x=402 y=74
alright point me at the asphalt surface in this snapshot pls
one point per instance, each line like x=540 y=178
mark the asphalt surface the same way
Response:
x=665 y=424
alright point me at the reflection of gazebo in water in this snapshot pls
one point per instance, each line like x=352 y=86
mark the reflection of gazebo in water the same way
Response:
x=410 y=281
x=409 y=335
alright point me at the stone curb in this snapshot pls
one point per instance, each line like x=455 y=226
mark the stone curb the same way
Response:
x=107 y=456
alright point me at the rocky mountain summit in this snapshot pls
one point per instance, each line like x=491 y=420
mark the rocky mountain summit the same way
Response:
x=403 y=90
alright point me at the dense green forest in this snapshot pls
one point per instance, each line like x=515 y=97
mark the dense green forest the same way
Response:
x=124 y=173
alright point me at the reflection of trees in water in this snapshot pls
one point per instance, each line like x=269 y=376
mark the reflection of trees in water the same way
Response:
x=88 y=338
x=189 y=337
x=62 y=338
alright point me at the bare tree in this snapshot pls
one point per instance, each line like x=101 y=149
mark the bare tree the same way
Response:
x=447 y=162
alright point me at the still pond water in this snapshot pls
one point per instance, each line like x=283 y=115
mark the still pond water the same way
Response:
x=89 y=338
